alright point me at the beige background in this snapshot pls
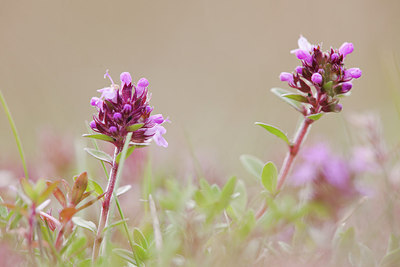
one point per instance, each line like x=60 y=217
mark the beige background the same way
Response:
x=210 y=65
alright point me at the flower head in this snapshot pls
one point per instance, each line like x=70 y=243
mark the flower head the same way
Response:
x=126 y=109
x=323 y=71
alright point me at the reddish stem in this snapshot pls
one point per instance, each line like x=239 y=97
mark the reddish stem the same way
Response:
x=289 y=159
x=105 y=206
x=293 y=151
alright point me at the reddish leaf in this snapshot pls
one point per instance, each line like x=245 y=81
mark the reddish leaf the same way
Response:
x=79 y=188
x=67 y=213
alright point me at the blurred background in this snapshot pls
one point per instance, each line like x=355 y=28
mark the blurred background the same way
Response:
x=210 y=65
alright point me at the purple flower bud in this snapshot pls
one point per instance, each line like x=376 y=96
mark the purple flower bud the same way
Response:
x=304 y=55
x=96 y=102
x=299 y=69
x=127 y=108
x=158 y=118
x=337 y=108
x=286 y=77
x=346 y=87
x=353 y=73
x=126 y=78
x=149 y=109
x=113 y=129
x=141 y=86
x=334 y=56
x=316 y=78
x=93 y=124
x=346 y=49
x=117 y=116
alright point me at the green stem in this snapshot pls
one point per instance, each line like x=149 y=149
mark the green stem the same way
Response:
x=15 y=133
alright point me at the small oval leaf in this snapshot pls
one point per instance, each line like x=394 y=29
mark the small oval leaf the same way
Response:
x=98 y=154
x=79 y=188
x=269 y=177
x=252 y=164
x=84 y=224
x=123 y=189
x=296 y=97
x=280 y=92
x=275 y=131
x=100 y=137
x=315 y=117
x=134 y=127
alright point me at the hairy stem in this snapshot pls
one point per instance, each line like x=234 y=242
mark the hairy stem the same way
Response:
x=106 y=206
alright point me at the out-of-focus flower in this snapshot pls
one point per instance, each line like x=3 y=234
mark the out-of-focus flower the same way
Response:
x=126 y=109
x=324 y=71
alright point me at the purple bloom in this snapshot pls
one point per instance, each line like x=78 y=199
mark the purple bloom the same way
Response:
x=299 y=69
x=286 y=77
x=304 y=55
x=142 y=85
x=346 y=87
x=354 y=73
x=126 y=78
x=345 y=49
x=323 y=70
x=316 y=78
x=126 y=109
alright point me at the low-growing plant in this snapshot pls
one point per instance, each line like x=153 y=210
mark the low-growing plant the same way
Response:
x=321 y=215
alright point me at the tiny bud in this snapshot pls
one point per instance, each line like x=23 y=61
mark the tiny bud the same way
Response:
x=149 y=109
x=334 y=57
x=94 y=101
x=346 y=87
x=127 y=108
x=113 y=129
x=353 y=73
x=117 y=116
x=337 y=108
x=304 y=55
x=346 y=49
x=286 y=77
x=316 y=78
x=126 y=78
x=143 y=83
x=299 y=69
x=93 y=124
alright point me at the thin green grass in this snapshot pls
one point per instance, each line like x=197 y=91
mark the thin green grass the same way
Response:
x=15 y=133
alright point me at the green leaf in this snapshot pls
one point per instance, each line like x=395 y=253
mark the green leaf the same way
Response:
x=315 y=117
x=296 y=97
x=227 y=191
x=3 y=210
x=128 y=153
x=76 y=246
x=100 y=137
x=239 y=203
x=123 y=189
x=28 y=189
x=47 y=192
x=275 y=131
x=394 y=243
x=84 y=224
x=100 y=155
x=280 y=92
x=252 y=164
x=114 y=224
x=140 y=252
x=269 y=177
x=139 y=238
x=94 y=186
x=134 y=127
x=391 y=259
x=328 y=86
x=125 y=254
